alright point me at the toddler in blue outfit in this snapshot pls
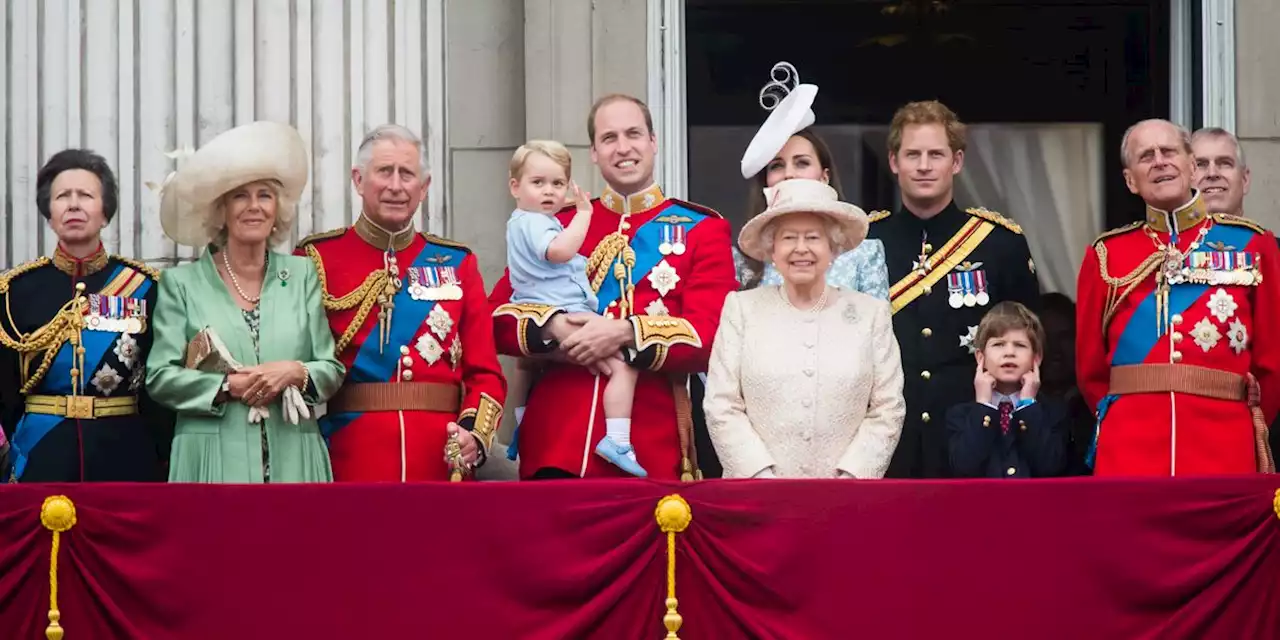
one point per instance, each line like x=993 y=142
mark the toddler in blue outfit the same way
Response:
x=546 y=268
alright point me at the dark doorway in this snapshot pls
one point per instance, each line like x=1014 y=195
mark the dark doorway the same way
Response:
x=992 y=61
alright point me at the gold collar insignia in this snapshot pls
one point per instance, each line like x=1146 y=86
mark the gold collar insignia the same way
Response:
x=638 y=202
x=1188 y=215
x=80 y=267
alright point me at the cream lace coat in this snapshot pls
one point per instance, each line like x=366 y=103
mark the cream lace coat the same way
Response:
x=807 y=393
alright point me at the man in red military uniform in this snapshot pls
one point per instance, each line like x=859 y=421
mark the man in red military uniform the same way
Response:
x=661 y=269
x=1172 y=346
x=413 y=327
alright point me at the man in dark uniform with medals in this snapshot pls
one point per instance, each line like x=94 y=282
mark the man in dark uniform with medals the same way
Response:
x=947 y=267
x=74 y=337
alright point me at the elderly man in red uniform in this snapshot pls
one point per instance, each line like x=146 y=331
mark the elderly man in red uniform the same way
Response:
x=661 y=269
x=1173 y=345
x=413 y=327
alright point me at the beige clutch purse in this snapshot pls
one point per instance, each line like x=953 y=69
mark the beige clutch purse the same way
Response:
x=207 y=352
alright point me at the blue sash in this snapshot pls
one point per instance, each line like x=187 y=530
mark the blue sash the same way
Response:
x=645 y=244
x=33 y=427
x=374 y=364
x=1139 y=337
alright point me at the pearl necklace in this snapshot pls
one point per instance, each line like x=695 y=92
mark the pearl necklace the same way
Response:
x=235 y=282
x=817 y=306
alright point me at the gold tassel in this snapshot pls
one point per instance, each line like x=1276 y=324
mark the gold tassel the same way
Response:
x=58 y=514
x=673 y=515
x=1276 y=505
x=453 y=451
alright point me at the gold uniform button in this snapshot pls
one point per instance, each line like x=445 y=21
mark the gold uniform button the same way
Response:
x=925 y=416
x=1176 y=319
x=1010 y=471
x=928 y=248
x=986 y=421
x=926 y=332
x=407 y=375
x=1022 y=425
x=626 y=226
x=926 y=375
x=928 y=290
x=1176 y=356
x=1176 y=337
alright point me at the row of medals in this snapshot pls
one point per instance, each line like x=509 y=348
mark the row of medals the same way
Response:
x=132 y=324
x=957 y=299
x=446 y=291
x=1176 y=272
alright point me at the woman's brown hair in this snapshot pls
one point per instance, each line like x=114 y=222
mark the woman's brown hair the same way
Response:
x=755 y=198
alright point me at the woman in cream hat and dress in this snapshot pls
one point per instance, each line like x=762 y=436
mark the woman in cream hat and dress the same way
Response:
x=786 y=147
x=805 y=379
x=236 y=195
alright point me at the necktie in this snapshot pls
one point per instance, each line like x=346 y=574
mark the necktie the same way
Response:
x=1006 y=413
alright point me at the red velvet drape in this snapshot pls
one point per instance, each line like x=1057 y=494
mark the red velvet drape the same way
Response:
x=1075 y=558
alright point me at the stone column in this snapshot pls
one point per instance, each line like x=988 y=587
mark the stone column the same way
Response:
x=1258 y=105
x=576 y=51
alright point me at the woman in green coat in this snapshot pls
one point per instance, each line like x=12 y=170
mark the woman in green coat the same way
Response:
x=237 y=194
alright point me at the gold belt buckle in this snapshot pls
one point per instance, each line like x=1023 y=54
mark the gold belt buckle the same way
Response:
x=80 y=407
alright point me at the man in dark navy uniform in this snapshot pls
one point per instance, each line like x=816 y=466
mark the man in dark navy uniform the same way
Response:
x=947 y=267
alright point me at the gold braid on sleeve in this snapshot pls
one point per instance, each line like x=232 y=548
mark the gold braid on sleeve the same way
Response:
x=1119 y=288
x=363 y=296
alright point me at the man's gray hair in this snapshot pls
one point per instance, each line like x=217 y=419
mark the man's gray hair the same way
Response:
x=1218 y=133
x=389 y=132
x=1124 y=141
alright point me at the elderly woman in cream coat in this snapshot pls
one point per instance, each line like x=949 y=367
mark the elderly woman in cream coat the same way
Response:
x=805 y=379
x=235 y=198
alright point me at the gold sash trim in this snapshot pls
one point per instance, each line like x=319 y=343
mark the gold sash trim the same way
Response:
x=906 y=290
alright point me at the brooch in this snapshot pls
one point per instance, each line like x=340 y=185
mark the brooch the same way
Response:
x=284 y=277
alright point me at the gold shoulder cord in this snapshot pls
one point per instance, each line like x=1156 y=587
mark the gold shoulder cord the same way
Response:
x=609 y=249
x=363 y=296
x=65 y=325
x=1129 y=281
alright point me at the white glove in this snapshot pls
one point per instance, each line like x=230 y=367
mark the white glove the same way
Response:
x=295 y=408
x=258 y=414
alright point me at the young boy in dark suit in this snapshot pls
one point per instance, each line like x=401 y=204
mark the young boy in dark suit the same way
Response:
x=1006 y=432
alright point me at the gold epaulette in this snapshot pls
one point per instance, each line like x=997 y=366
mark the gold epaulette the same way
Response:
x=692 y=206
x=146 y=269
x=435 y=239
x=1226 y=218
x=992 y=216
x=877 y=216
x=323 y=235
x=1118 y=231
x=9 y=275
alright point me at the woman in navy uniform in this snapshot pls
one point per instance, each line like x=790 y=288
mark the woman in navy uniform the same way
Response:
x=74 y=336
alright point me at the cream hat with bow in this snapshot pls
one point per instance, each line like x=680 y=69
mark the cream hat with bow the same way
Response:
x=245 y=154
x=804 y=196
